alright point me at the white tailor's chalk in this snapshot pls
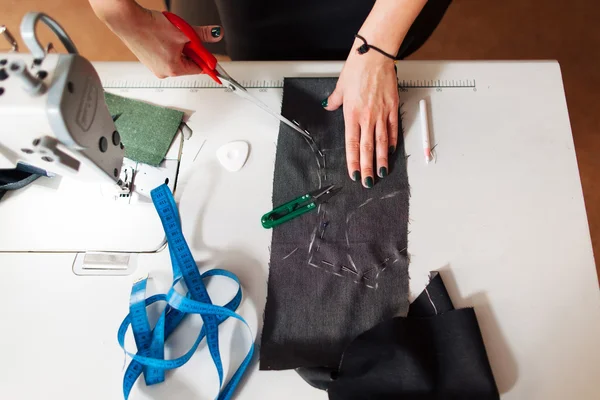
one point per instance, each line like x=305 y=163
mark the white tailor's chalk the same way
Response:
x=425 y=130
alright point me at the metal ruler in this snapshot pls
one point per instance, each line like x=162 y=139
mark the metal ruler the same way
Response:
x=198 y=83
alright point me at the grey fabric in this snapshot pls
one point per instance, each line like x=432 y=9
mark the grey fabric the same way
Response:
x=338 y=271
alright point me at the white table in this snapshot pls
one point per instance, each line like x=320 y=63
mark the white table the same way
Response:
x=501 y=214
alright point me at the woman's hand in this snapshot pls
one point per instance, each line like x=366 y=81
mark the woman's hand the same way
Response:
x=151 y=37
x=368 y=90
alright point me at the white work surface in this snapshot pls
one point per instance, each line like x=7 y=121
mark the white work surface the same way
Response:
x=501 y=214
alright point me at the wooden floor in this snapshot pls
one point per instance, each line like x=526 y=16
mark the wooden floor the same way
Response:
x=472 y=30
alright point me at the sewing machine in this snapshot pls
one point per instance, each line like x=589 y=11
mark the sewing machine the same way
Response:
x=53 y=112
x=54 y=118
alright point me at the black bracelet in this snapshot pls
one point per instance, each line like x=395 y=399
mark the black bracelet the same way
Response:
x=366 y=47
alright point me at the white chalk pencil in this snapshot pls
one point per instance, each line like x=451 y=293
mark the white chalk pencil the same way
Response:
x=425 y=130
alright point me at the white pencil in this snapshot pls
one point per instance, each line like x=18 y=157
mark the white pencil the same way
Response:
x=425 y=130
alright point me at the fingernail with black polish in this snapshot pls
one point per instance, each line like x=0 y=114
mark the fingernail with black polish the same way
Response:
x=382 y=172
x=369 y=182
x=216 y=31
x=356 y=176
x=392 y=149
x=324 y=103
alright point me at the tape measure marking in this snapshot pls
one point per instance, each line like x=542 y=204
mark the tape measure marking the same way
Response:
x=149 y=359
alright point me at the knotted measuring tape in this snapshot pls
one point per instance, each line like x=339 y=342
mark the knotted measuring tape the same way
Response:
x=150 y=343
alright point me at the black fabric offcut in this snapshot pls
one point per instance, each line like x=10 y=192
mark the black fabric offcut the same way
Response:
x=436 y=353
x=340 y=270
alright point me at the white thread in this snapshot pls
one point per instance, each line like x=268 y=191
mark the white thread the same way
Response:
x=431 y=301
x=293 y=251
x=393 y=194
x=352 y=262
x=344 y=268
x=312 y=240
x=365 y=203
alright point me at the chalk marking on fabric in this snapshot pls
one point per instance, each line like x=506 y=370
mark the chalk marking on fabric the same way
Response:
x=314 y=265
x=352 y=262
x=320 y=180
x=382 y=269
x=347 y=240
x=431 y=301
x=393 y=194
x=384 y=261
x=311 y=263
x=365 y=203
x=369 y=286
x=327 y=263
x=336 y=274
x=293 y=251
x=312 y=240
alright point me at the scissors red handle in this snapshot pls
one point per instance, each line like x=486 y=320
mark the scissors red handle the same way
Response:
x=194 y=49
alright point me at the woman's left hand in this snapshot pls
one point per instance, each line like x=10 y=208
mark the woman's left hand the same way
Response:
x=368 y=90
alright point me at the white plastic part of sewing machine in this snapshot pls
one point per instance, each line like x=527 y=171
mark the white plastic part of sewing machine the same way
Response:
x=53 y=116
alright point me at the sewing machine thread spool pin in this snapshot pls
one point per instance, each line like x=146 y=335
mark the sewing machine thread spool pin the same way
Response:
x=9 y=38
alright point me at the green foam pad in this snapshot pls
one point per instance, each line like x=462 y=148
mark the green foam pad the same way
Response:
x=146 y=130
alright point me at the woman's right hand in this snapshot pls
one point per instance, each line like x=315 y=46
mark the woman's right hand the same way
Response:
x=156 y=42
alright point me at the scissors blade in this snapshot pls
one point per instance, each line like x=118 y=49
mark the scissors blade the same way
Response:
x=322 y=195
x=243 y=92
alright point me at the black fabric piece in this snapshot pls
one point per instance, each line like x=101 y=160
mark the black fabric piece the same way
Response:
x=435 y=293
x=319 y=378
x=17 y=178
x=340 y=270
x=309 y=29
x=435 y=353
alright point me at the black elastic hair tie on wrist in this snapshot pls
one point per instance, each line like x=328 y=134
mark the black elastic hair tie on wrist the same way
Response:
x=366 y=47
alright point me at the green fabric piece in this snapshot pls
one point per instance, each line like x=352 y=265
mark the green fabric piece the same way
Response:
x=146 y=130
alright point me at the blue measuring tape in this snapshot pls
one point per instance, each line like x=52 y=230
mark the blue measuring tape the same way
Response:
x=149 y=359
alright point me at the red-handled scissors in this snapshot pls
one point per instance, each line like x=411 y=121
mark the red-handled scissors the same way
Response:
x=196 y=52
x=194 y=49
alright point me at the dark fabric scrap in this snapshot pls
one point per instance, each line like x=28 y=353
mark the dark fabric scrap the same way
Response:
x=19 y=177
x=435 y=353
x=338 y=271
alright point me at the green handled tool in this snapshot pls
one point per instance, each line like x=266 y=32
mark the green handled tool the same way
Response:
x=298 y=207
